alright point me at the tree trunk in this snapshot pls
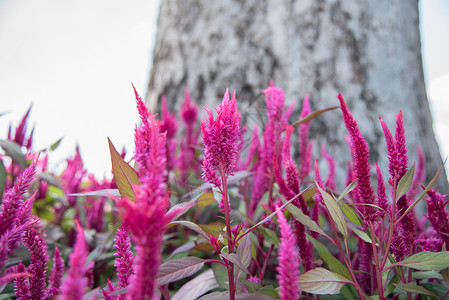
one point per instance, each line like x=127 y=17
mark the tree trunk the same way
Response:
x=369 y=51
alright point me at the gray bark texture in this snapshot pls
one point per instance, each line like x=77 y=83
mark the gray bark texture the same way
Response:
x=369 y=51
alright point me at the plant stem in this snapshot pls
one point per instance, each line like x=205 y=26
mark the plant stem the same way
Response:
x=226 y=204
x=376 y=263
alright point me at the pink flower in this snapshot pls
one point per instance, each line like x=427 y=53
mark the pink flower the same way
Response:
x=56 y=274
x=35 y=242
x=125 y=257
x=220 y=139
x=288 y=268
x=305 y=158
x=75 y=284
x=382 y=199
x=437 y=214
x=360 y=155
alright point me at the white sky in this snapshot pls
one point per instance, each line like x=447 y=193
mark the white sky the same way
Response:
x=75 y=60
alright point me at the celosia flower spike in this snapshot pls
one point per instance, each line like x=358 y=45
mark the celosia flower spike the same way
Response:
x=360 y=155
x=168 y=120
x=288 y=268
x=75 y=284
x=21 y=289
x=125 y=258
x=330 y=182
x=382 y=199
x=275 y=101
x=19 y=136
x=305 y=161
x=437 y=214
x=401 y=147
x=189 y=110
x=56 y=274
x=35 y=242
x=220 y=139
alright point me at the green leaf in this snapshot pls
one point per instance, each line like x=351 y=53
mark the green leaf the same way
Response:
x=320 y=281
x=56 y=144
x=427 y=275
x=390 y=287
x=271 y=236
x=414 y=288
x=350 y=213
x=177 y=269
x=347 y=190
x=206 y=199
x=125 y=175
x=405 y=183
x=313 y=115
x=361 y=234
x=425 y=261
x=3 y=175
x=335 y=211
x=12 y=149
x=197 y=286
x=423 y=193
x=334 y=264
x=221 y=275
x=305 y=220
x=445 y=274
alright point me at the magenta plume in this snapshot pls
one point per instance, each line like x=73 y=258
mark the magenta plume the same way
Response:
x=35 y=242
x=125 y=258
x=19 y=136
x=382 y=199
x=437 y=214
x=22 y=289
x=220 y=139
x=330 y=182
x=75 y=284
x=305 y=159
x=169 y=125
x=288 y=268
x=360 y=155
x=56 y=274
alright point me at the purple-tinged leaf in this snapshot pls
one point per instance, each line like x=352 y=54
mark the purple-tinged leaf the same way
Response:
x=99 y=193
x=192 y=226
x=225 y=296
x=177 y=269
x=425 y=261
x=405 y=183
x=197 y=286
x=414 y=288
x=320 y=281
x=314 y=114
x=206 y=199
x=125 y=175
x=182 y=249
x=236 y=260
x=244 y=250
x=335 y=211
x=361 y=234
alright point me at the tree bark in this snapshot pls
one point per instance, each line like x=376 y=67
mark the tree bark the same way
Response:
x=369 y=51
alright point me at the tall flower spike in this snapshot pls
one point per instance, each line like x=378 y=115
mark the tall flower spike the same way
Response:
x=220 y=139
x=19 y=136
x=330 y=182
x=360 y=155
x=382 y=199
x=304 y=158
x=288 y=268
x=401 y=147
x=21 y=289
x=438 y=216
x=56 y=274
x=125 y=258
x=169 y=125
x=35 y=242
x=75 y=284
